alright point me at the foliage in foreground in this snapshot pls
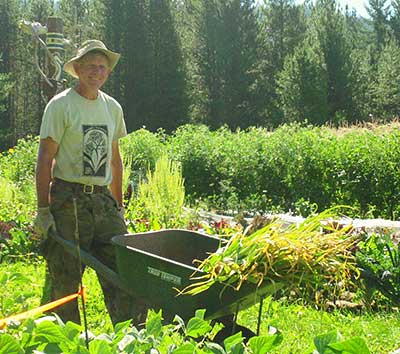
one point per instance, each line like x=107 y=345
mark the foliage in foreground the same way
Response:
x=378 y=259
x=50 y=334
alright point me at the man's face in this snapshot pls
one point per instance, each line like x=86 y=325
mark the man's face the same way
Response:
x=93 y=70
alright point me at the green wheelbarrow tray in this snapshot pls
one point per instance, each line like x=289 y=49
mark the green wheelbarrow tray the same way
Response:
x=155 y=264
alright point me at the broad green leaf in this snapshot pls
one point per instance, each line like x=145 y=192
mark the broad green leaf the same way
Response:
x=52 y=348
x=322 y=341
x=200 y=313
x=99 y=347
x=354 y=345
x=197 y=327
x=125 y=341
x=154 y=323
x=8 y=345
x=215 y=348
x=49 y=332
x=120 y=327
x=72 y=330
x=234 y=344
x=187 y=348
x=263 y=344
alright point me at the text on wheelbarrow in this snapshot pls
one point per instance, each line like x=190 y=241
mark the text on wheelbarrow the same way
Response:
x=171 y=278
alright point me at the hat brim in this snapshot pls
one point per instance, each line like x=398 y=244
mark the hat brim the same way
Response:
x=112 y=57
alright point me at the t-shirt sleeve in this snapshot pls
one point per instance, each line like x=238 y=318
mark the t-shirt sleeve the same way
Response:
x=53 y=123
x=120 y=128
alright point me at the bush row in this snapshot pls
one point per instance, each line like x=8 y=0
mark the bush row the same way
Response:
x=294 y=168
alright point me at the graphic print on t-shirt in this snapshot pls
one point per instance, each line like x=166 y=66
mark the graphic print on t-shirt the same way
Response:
x=95 y=142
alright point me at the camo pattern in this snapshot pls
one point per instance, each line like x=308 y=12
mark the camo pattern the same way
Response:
x=98 y=222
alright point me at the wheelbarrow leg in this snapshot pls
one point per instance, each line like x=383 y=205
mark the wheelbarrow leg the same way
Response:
x=259 y=315
x=231 y=327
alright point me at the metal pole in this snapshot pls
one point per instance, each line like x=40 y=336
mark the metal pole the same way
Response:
x=81 y=289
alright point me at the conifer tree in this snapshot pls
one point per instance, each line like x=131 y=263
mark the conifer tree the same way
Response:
x=387 y=88
x=303 y=84
x=9 y=13
x=379 y=10
x=283 y=27
x=328 y=25
x=167 y=100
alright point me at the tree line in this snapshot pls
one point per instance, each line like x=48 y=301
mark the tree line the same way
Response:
x=237 y=63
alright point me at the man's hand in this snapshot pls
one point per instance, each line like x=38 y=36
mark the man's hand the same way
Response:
x=44 y=222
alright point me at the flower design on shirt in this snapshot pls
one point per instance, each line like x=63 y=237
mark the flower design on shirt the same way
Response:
x=95 y=142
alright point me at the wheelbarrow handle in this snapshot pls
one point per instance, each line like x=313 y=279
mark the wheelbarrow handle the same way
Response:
x=91 y=261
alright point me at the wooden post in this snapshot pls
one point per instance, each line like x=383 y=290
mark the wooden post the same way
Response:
x=55 y=45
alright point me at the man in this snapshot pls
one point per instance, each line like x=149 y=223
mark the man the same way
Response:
x=78 y=159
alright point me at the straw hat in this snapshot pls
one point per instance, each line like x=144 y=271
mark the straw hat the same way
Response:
x=86 y=47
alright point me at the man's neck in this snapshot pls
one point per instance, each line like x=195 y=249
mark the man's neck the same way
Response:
x=87 y=93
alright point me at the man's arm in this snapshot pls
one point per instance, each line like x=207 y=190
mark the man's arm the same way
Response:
x=47 y=150
x=117 y=172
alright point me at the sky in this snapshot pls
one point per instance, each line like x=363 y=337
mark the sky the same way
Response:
x=358 y=5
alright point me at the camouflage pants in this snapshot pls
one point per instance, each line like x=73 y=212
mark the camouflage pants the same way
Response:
x=98 y=221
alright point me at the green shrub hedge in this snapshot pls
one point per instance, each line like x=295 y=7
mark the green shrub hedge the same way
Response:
x=294 y=168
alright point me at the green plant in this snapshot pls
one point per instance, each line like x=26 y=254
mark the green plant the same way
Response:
x=17 y=303
x=333 y=343
x=298 y=323
x=50 y=334
x=162 y=194
x=310 y=257
x=378 y=258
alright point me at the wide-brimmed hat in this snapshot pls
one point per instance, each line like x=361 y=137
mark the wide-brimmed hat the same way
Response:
x=86 y=47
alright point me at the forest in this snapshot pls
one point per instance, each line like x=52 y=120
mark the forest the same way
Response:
x=234 y=63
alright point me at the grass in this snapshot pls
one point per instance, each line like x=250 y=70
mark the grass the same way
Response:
x=298 y=323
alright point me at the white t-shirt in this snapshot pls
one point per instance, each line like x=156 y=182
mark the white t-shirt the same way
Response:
x=84 y=130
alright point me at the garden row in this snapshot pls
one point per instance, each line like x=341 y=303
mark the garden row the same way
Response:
x=294 y=168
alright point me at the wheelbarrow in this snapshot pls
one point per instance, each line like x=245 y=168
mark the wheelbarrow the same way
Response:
x=153 y=265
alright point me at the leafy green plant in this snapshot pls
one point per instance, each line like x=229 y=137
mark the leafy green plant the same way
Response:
x=378 y=258
x=162 y=195
x=50 y=334
x=298 y=323
x=333 y=343
x=307 y=258
x=10 y=305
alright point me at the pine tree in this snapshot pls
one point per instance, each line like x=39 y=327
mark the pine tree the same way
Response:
x=303 y=84
x=167 y=91
x=394 y=20
x=378 y=10
x=224 y=52
x=328 y=25
x=362 y=81
x=9 y=13
x=283 y=27
x=387 y=88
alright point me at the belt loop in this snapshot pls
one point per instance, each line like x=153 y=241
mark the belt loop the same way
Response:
x=90 y=190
